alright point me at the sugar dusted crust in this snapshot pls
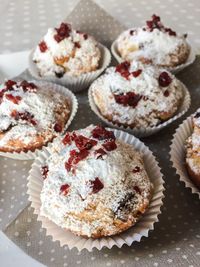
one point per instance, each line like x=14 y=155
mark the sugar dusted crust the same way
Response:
x=37 y=118
x=154 y=107
x=157 y=45
x=123 y=196
x=74 y=54
x=193 y=151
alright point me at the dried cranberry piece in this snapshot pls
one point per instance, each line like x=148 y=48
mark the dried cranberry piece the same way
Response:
x=28 y=86
x=43 y=46
x=44 y=171
x=137 y=189
x=164 y=79
x=101 y=133
x=14 y=99
x=83 y=142
x=136 y=73
x=75 y=157
x=154 y=23
x=81 y=155
x=96 y=185
x=58 y=127
x=123 y=69
x=67 y=139
x=85 y=36
x=166 y=93
x=26 y=116
x=136 y=169
x=62 y=32
x=128 y=99
x=170 y=31
x=77 y=45
x=9 y=84
x=64 y=189
x=100 y=153
x=110 y=145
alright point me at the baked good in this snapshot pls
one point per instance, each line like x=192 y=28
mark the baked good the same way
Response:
x=65 y=51
x=30 y=115
x=153 y=43
x=193 y=151
x=137 y=95
x=94 y=184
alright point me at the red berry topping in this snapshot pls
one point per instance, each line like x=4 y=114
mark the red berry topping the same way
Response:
x=101 y=133
x=67 y=139
x=85 y=36
x=44 y=171
x=96 y=185
x=9 y=84
x=100 y=153
x=137 y=189
x=62 y=32
x=110 y=145
x=83 y=142
x=77 y=45
x=154 y=23
x=136 y=73
x=14 y=99
x=166 y=93
x=43 y=46
x=64 y=189
x=136 y=169
x=132 y=32
x=129 y=99
x=28 y=86
x=123 y=69
x=75 y=157
x=164 y=79
x=58 y=127
x=25 y=116
x=170 y=31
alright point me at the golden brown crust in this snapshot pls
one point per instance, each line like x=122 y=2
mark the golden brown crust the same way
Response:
x=193 y=176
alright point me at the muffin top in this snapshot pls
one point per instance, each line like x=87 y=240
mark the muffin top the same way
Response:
x=137 y=94
x=66 y=51
x=94 y=184
x=153 y=43
x=29 y=114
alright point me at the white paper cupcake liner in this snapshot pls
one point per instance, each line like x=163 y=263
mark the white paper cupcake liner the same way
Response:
x=75 y=84
x=143 y=131
x=29 y=155
x=140 y=229
x=191 y=58
x=178 y=153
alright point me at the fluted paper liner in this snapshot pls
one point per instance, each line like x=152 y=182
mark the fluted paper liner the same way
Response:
x=29 y=155
x=74 y=83
x=143 y=131
x=178 y=153
x=189 y=61
x=135 y=233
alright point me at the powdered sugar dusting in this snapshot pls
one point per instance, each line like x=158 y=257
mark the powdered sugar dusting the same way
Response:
x=153 y=102
x=73 y=55
x=83 y=211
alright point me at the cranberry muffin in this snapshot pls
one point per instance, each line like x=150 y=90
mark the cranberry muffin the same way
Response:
x=64 y=51
x=31 y=115
x=193 y=151
x=137 y=95
x=154 y=43
x=94 y=184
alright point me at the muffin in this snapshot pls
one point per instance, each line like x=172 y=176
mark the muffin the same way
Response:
x=94 y=185
x=65 y=51
x=153 y=43
x=137 y=95
x=31 y=115
x=193 y=151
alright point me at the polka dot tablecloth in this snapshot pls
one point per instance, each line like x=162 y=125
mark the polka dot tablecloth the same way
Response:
x=175 y=240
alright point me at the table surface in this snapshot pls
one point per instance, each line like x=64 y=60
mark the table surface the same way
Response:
x=175 y=240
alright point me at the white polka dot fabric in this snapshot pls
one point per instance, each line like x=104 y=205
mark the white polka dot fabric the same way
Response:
x=176 y=238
